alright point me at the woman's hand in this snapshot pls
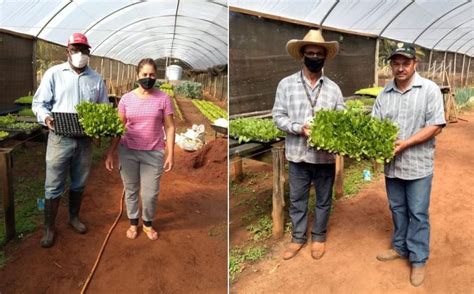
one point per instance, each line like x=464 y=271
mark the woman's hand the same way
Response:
x=109 y=162
x=169 y=161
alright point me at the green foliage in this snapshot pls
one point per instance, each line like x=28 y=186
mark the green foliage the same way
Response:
x=24 y=100
x=100 y=120
x=3 y=135
x=374 y=92
x=239 y=256
x=7 y=120
x=353 y=134
x=26 y=112
x=255 y=129
x=262 y=229
x=168 y=89
x=210 y=110
x=189 y=89
x=463 y=95
x=355 y=105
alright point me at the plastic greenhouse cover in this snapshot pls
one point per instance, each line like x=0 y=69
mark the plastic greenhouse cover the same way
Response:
x=194 y=31
x=444 y=25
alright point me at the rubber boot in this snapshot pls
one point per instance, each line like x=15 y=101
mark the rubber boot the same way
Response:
x=75 y=199
x=50 y=211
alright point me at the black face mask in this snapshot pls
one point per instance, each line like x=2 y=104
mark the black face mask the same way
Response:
x=314 y=64
x=147 y=83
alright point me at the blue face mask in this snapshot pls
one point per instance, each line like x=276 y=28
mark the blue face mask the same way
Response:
x=314 y=64
x=147 y=83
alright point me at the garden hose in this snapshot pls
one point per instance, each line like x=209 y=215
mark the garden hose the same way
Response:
x=99 y=256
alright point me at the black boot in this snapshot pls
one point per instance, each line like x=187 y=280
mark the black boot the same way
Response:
x=50 y=212
x=75 y=199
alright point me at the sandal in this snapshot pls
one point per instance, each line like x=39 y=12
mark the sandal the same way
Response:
x=150 y=232
x=132 y=232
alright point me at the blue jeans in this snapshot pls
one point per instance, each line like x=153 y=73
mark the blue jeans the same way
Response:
x=301 y=175
x=409 y=202
x=66 y=155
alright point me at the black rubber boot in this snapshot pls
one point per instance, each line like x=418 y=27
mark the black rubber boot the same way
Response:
x=75 y=199
x=50 y=211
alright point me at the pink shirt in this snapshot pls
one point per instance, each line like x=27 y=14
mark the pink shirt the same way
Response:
x=144 y=120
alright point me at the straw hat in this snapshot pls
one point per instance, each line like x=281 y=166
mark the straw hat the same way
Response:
x=313 y=37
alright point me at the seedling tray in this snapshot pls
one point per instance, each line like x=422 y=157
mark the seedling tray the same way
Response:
x=67 y=124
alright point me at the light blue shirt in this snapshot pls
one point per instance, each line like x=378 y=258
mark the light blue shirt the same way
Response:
x=418 y=107
x=61 y=89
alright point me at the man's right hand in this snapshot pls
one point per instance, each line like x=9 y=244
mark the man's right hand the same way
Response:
x=49 y=122
x=306 y=131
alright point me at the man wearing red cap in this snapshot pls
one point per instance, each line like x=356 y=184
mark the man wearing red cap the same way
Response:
x=62 y=88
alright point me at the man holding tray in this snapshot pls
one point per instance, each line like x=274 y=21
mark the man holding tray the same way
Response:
x=415 y=105
x=62 y=88
x=298 y=97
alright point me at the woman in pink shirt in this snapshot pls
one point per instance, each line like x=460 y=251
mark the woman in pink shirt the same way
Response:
x=144 y=153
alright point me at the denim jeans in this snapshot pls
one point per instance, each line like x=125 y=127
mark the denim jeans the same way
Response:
x=301 y=175
x=409 y=202
x=141 y=171
x=65 y=156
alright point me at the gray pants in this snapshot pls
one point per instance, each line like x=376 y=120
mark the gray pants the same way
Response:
x=141 y=170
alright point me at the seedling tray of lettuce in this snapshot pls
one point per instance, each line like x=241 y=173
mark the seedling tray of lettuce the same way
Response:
x=25 y=100
x=254 y=129
x=353 y=134
x=100 y=120
x=373 y=92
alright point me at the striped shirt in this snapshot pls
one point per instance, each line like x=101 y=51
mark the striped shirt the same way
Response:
x=292 y=110
x=420 y=106
x=61 y=89
x=144 y=120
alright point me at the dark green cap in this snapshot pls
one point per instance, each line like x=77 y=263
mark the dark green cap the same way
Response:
x=404 y=49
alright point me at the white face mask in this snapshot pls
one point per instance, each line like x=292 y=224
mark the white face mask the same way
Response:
x=79 y=60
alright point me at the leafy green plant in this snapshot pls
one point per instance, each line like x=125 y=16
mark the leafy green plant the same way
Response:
x=3 y=135
x=7 y=120
x=26 y=112
x=100 y=120
x=189 y=89
x=353 y=134
x=262 y=229
x=210 y=110
x=355 y=105
x=374 y=91
x=24 y=100
x=239 y=256
x=168 y=89
x=177 y=110
x=254 y=129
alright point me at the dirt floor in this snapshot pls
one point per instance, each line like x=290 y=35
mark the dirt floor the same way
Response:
x=189 y=257
x=361 y=227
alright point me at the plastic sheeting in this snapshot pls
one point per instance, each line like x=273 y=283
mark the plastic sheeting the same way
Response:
x=194 y=31
x=444 y=25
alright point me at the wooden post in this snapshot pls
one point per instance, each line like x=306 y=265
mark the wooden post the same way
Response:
x=467 y=72
x=339 y=181
x=462 y=69
x=278 y=197
x=8 y=196
x=376 y=66
x=239 y=175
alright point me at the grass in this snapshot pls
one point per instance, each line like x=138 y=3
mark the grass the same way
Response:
x=239 y=256
x=353 y=176
x=262 y=229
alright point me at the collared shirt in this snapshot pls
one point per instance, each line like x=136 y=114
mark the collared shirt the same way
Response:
x=292 y=110
x=418 y=107
x=61 y=89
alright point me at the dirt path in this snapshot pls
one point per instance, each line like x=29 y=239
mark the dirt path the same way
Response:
x=362 y=226
x=189 y=257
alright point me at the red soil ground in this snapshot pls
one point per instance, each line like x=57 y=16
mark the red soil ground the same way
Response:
x=361 y=227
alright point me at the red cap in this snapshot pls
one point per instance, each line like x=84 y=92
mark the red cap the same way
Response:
x=78 y=38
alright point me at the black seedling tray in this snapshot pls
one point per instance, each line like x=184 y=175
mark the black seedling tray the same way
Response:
x=67 y=124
